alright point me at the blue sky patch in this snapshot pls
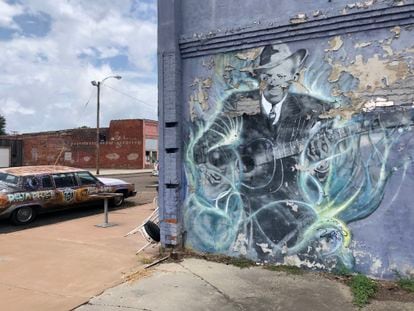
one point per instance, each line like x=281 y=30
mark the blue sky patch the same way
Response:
x=117 y=62
x=31 y=25
x=6 y=34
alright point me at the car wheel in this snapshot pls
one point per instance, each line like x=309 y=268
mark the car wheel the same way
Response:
x=118 y=201
x=23 y=215
x=153 y=230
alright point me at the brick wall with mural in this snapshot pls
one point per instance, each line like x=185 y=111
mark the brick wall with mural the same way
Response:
x=286 y=131
x=122 y=145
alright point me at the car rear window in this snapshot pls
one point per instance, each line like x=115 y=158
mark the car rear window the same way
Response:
x=9 y=179
x=85 y=178
x=64 y=180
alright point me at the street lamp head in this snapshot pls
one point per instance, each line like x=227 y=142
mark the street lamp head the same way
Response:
x=94 y=83
x=115 y=77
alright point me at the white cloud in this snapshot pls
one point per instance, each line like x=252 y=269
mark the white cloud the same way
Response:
x=7 y=12
x=46 y=76
x=10 y=106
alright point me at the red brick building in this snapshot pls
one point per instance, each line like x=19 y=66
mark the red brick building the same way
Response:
x=125 y=144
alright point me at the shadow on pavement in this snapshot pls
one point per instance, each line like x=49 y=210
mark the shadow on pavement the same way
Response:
x=64 y=215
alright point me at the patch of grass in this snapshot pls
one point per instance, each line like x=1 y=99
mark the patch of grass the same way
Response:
x=406 y=283
x=363 y=289
x=240 y=262
x=283 y=268
x=341 y=270
x=145 y=260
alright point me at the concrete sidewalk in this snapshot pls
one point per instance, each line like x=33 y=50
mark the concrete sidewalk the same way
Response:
x=195 y=284
x=62 y=265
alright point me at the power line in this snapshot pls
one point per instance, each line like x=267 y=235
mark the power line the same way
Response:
x=130 y=96
x=87 y=102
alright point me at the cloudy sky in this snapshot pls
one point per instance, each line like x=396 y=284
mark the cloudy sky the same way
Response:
x=51 y=50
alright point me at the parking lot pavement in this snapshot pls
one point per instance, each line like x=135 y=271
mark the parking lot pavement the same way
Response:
x=60 y=265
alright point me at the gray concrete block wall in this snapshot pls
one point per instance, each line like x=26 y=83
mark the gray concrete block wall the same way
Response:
x=169 y=97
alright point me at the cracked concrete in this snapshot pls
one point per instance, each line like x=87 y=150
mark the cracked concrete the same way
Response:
x=196 y=284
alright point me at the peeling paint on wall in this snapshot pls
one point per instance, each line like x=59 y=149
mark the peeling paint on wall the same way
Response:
x=335 y=44
x=372 y=72
x=397 y=31
x=378 y=102
x=292 y=144
x=299 y=18
x=358 y=5
x=362 y=45
x=200 y=95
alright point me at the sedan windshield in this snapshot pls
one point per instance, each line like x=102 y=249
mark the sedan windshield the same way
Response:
x=8 y=178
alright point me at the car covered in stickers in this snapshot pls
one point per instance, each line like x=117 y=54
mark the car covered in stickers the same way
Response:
x=29 y=190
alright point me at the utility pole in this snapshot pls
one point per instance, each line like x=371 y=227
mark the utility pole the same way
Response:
x=98 y=110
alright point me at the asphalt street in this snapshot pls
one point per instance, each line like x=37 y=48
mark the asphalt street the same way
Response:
x=145 y=184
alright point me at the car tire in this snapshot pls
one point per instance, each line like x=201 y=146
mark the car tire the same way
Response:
x=118 y=201
x=153 y=230
x=23 y=215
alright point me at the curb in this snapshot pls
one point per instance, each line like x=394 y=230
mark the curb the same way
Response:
x=124 y=174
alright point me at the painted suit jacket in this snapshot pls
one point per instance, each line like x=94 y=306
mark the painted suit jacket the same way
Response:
x=298 y=114
x=268 y=154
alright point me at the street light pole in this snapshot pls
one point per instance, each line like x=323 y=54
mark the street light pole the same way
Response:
x=98 y=110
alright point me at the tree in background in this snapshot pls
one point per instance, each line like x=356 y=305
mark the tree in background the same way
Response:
x=2 y=125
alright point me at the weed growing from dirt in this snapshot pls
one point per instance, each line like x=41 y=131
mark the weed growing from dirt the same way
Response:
x=283 y=268
x=406 y=283
x=363 y=289
x=145 y=259
x=240 y=262
x=341 y=270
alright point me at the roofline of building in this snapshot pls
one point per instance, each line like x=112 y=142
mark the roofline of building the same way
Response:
x=57 y=132
x=135 y=120
x=10 y=136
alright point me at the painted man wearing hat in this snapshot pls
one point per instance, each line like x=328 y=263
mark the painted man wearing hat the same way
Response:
x=248 y=156
x=284 y=116
x=290 y=114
